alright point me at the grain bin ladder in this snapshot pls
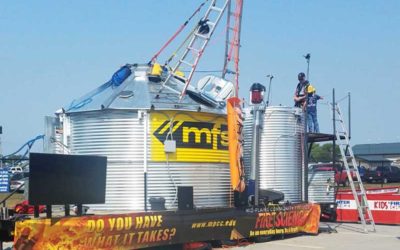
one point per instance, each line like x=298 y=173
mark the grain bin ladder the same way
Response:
x=197 y=44
x=357 y=187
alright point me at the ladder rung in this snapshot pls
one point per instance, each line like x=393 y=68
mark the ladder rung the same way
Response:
x=201 y=36
x=211 y=23
x=231 y=28
x=232 y=43
x=187 y=63
x=216 y=9
x=234 y=14
x=180 y=77
x=194 y=49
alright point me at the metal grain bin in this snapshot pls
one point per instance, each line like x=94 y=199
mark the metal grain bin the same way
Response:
x=201 y=157
x=321 y=187
x=119 y=135
x=248 y=138
x=281 y=151
x=129 y=122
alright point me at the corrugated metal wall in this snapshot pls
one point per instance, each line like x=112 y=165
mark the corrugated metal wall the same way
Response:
x=281 y=151
x=53 y=140
x=119 y=135
x=210 y=178
x=248 y=139
x=321 y=186
x=210 y=182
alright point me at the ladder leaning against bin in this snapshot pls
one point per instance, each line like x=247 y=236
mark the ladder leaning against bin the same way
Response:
x=357 y=187
x=197 y=44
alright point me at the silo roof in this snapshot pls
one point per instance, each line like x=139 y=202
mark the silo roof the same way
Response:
x=137 y=92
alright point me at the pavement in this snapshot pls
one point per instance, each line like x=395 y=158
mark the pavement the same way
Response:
x=337 y=236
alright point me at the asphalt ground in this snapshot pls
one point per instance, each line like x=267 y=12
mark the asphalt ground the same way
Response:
x=337 y=236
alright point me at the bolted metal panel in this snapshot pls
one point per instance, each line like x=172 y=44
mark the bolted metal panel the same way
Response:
x=119 y=135
x=210 y=182
x=321 y=186
x=204 y=168
x=281 y=151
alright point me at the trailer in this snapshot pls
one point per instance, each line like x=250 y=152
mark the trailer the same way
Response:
x=163 y=228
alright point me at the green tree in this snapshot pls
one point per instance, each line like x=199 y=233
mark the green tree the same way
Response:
x=323 y=153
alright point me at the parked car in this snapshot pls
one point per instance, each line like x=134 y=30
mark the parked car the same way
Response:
x=340 y=172
x=383 y=174
x=18 y=179
x=14 y=170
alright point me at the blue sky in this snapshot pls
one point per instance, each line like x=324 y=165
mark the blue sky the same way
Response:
x=52 y=52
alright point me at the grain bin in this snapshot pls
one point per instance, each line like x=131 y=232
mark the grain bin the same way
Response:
x=128 y=121
x=281 y=150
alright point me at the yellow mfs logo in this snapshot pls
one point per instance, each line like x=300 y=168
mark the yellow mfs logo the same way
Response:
x=199 y=137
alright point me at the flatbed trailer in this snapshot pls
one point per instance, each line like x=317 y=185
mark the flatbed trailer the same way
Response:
x=162 y=228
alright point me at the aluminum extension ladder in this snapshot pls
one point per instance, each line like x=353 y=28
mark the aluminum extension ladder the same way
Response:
x=357 y=187
x=197 y=44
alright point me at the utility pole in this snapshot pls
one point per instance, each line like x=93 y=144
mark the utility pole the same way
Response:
x=349 y=115
x=305 y=140
x=334 y=128
x=269 y=87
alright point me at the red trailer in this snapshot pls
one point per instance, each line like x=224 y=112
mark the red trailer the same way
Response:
x=383 y=202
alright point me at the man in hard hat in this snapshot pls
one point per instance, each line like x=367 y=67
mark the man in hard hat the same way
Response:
x=312 y=99
x=300 y=94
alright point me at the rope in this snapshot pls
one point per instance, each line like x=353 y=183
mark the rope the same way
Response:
x=177 y=32
x=89 y=98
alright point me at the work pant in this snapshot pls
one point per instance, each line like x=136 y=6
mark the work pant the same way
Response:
x=312 y=122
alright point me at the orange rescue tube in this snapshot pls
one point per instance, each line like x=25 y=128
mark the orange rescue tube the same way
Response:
x=235 y=126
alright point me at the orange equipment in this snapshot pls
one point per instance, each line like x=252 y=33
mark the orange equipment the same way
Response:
x=235 y=125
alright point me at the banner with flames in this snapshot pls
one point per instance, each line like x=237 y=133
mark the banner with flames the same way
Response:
x=138 y=230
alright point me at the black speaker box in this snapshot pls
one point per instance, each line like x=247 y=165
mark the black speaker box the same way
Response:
x=185 y=198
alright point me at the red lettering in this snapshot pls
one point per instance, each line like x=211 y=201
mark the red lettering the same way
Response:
x=258 y=222
x=381 y=205
x=279 y=220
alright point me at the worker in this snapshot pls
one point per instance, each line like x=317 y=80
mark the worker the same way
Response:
x=311 y=103
x=300 y=93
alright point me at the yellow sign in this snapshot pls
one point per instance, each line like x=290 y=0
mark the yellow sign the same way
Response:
x=199 y=137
